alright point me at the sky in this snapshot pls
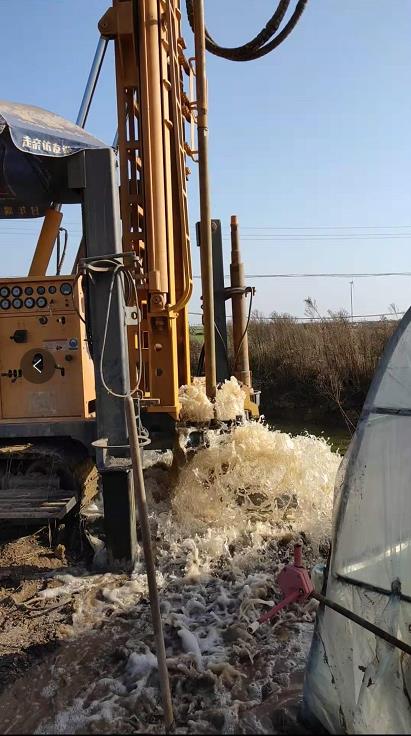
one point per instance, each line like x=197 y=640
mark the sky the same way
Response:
x=309 y=146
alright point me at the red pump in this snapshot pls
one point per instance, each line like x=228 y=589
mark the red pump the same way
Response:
x=295 y=584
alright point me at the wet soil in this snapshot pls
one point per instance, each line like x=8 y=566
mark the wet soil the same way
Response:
x=69 y=675
x=66 y=661
x=30 y=627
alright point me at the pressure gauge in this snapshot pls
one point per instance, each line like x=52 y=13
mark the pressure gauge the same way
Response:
x=17 y=303
x=52 y=289
x=16 y=291
x=29 y=303
x=66 y=289
x=28 y=290
x=41 y=290
x=5 y=304
x=41 y=302
x=4 y=291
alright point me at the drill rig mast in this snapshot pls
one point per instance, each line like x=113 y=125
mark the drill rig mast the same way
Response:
x=151 y=107
x=118 y=325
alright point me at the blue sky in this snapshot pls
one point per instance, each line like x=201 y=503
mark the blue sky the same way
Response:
x=313 y=138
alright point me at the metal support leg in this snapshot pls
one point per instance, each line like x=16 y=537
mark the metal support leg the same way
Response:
x=240 y=337
x=119 y=513
x=220 y=318
x=94 y=172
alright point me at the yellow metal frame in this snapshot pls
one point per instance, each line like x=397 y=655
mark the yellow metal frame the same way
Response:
x=45 y=243
x=153 y=199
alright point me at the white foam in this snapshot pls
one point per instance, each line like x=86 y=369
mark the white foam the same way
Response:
x=218 y=559
x=197 y=407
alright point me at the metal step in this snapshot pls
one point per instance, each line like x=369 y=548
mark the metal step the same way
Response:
x=35 y=504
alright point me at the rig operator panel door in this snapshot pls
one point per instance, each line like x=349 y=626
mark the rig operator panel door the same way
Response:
x=45 y=367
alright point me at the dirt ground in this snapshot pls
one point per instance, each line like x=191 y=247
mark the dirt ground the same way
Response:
x=38 y=656
x=77 y=647
x=29 y=627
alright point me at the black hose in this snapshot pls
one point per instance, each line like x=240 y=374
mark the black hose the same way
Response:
x=61 y=256
x=238 y=53
x=200 y=364
x=245 y=331
x=376 y=630
x=264 y=42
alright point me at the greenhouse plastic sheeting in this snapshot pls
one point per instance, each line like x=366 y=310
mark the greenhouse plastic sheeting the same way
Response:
x=356 y=682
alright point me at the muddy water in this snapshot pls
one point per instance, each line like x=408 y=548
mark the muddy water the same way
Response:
x=216 y=574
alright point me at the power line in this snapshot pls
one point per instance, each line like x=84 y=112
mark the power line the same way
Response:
x=324 y=227
x=310 y=238
x=286 y=317
x=261 y=239
x=325 y=275
x=318 y=275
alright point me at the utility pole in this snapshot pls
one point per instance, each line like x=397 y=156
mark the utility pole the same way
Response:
x=206 y=248
x=352 y=299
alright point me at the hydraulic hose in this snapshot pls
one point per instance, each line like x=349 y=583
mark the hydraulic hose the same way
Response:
x=264 y=42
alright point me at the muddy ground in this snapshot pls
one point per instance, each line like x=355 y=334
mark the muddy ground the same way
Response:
x=45 y=671
x=77 y=650
x=29 y=628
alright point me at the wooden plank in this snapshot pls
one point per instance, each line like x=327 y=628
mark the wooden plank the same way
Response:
x=38 y=491
x=37 y=499
x=37 y=512
x=34 y=503
x=34 y=499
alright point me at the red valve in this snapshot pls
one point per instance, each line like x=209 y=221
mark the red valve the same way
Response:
x=295 y=584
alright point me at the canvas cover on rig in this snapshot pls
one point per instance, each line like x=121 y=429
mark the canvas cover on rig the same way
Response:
x=33 y=145
x=356 y=682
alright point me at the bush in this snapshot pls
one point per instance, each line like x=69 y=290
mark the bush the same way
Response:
x=319 y=368
x=325 y=364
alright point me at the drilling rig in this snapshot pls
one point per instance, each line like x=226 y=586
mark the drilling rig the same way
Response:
x=74 y=345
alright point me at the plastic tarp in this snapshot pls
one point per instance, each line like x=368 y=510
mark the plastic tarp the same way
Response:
x=356 y=682
x=33 y=145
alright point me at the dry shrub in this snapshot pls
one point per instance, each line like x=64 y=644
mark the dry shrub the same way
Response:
x=325 y=365
x=331 y=361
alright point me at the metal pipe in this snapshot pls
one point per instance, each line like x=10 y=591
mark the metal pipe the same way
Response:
x=206 y=250
x=89 y=92
x=141 y=501
x=240 y=338
x=152 y=133
x=92 y=82
x=180 y=168
x=363 y=622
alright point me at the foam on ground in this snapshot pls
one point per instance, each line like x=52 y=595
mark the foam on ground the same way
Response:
x=220 y=541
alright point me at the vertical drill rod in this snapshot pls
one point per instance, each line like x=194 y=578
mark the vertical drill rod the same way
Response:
x=206 y=251
x=240 y=338
x=141 y=501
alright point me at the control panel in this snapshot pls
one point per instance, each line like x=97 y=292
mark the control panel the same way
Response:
x=34 y=295
x=46 y=371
